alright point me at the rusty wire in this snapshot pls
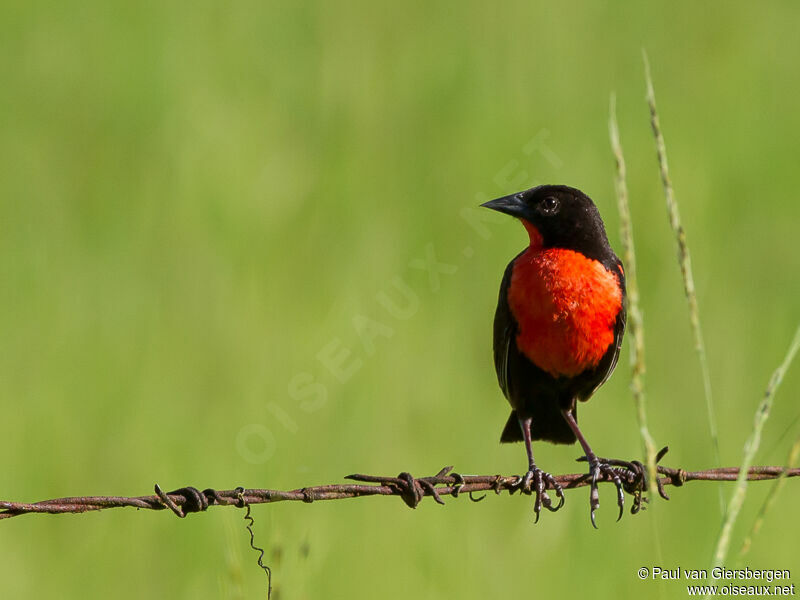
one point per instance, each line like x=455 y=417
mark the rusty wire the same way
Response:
x=186 y=500
x=412 y=490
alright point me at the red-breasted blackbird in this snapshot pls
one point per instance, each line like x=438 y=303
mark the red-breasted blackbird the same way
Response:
x=558 y=327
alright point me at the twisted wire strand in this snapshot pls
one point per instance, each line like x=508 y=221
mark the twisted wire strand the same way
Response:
x=412 y=490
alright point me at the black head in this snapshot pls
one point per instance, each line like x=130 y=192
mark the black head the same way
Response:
x=564 y=217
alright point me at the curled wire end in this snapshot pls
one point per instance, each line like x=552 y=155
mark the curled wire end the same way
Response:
x=478 y=499
x=250 y=522
x=681 y=478
x=460 y=483
x=497 y=484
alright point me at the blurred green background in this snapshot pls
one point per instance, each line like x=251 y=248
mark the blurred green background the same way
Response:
x=199 y=201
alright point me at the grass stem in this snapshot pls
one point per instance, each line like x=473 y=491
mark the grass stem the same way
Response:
x=685 y=262
x=750 y=448
x=634 y=320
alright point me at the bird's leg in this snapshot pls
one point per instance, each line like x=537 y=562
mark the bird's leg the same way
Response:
x=537 y=480
x=596 y=467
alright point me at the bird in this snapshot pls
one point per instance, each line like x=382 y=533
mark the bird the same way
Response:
x=558 y=329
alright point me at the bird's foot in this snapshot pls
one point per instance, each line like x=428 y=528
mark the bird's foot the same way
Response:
x=634 y=478
x=536 y=482
x=600 y=467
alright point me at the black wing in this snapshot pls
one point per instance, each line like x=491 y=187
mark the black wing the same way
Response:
x=505 y=329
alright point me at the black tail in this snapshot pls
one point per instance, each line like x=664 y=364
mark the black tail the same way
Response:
x=512 y=432
x=549 y=426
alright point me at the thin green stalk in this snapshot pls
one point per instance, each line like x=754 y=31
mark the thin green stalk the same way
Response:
x=635 y=322
x=685 y=262
x=794 y=454
x=750 y=448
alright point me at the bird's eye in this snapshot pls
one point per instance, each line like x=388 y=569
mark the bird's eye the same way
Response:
x=549 y=205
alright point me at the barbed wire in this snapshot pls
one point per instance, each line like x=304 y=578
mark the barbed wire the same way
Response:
x=186 y=500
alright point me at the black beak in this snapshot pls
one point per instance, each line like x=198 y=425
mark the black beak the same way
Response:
x=511 y=205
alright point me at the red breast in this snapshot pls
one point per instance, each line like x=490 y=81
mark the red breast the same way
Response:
x=565 y=305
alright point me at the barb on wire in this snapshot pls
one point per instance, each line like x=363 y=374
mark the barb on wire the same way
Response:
x=411 y=490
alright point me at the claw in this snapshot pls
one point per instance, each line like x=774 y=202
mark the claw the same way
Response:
x=537 y=482
x=599 y=467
